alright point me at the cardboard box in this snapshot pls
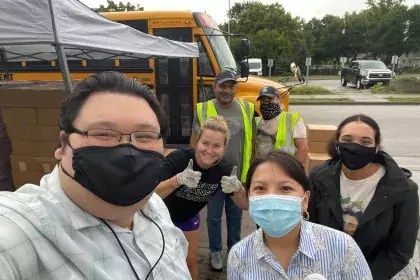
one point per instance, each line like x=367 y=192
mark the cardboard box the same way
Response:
x=45 y=133
x=32 y=98
x=45 y=165
x=21 y=178
x=33 y=164
x=22 y=163
x=315 y=159
x=35 y=149
x=19 y=132
x=320 y=133
x=18 y=115
x=317 y=147
x=48 y=116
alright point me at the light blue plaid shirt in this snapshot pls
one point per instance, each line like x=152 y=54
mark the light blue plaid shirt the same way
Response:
x=45 y=236
x=322 y=250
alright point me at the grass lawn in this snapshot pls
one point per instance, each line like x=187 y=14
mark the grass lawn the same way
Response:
x=320 y=100
x=309 y=90
x=404 y=99
x=311 y=77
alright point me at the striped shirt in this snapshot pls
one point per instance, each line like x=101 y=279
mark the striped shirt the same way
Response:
x=45 y=236
x=323 y=251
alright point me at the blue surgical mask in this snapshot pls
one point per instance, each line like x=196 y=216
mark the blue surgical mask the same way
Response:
x=277 y=215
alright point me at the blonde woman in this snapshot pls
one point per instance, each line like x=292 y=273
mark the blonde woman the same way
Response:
x=190 y=177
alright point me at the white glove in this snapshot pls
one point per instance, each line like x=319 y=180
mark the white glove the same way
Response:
x=189 y=177
x=231 y=184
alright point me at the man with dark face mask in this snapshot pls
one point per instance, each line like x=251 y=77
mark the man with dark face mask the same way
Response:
x=279 y=130
x=96 y=216
x=239 y=115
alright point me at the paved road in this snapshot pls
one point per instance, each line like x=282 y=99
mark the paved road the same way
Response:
x=401 y=138
x=334 y=85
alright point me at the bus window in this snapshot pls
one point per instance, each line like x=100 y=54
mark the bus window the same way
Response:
x=204 y=65
x=185 y=78
x=205 y=94
x=141 y=25
x=163 y=71
x=218 y=42
x=186 y=114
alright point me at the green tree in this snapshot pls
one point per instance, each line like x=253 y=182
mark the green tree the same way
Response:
x=388 y=28
x=120 y=7
x=413 y=29
x=272 y=26
x=357 y=34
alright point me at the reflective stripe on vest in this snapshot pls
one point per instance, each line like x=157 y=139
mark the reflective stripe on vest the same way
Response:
x=207 y=110
x=284 y=135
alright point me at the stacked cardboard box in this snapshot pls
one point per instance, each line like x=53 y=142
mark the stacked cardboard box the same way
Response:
x=31 y=119
x=318 y=137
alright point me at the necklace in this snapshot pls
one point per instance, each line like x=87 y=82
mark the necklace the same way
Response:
x=358 y=186
x=354 y=189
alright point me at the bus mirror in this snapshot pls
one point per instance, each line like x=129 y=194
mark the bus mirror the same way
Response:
x=244 y=69
x=244 y=48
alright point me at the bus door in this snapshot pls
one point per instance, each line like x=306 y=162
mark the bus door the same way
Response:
x=174 y=87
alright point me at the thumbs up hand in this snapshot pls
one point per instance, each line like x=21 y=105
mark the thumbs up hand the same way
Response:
x=231 y=184
x=189 y=177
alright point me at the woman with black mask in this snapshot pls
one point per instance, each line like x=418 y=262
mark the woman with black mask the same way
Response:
x=360 y=175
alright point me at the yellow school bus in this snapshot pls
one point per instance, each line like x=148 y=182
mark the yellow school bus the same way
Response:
x=180 y=83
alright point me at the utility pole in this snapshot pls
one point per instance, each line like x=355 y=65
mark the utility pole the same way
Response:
x=229 y=23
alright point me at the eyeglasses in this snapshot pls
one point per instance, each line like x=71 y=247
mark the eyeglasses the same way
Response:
x=109 y=137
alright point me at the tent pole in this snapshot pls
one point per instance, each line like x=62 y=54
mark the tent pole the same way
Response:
x=64 y=67
x=60 y=54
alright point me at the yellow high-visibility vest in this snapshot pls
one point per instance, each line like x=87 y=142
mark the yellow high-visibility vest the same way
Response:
x=207 y=110
x=284 y=135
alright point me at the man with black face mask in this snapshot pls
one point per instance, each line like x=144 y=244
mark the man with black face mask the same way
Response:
x=279 y=130
x=96 y=216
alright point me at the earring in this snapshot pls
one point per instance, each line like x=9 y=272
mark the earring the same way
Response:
x=306 y=215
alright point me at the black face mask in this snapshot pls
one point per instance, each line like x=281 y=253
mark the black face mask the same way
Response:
x=122 y=175
x=270 y=110
x=355 y=156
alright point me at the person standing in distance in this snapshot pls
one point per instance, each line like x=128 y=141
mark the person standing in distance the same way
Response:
x=239 y=115
x=279 y=130
x=297 y=73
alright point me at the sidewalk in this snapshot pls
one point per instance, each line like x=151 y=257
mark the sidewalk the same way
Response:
x=362 y=97
x=205 y=271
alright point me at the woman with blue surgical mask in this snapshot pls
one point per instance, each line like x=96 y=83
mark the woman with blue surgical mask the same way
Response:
x=287 y=246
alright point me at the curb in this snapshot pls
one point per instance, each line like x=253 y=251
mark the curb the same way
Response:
x=355 y=103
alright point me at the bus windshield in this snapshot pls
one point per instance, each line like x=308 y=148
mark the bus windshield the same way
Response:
x=218 y=43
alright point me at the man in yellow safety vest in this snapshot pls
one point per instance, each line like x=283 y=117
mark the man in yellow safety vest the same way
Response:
x=239 y=115
x=279 y=130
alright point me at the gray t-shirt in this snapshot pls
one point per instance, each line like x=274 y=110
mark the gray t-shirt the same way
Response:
x=233 y=116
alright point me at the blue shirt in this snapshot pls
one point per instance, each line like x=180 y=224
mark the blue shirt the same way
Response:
x=322 y=250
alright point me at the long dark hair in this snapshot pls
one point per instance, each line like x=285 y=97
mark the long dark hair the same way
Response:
x=293 y=168
x=331 y=148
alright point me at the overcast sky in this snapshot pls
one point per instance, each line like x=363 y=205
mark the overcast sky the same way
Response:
x=306 y=9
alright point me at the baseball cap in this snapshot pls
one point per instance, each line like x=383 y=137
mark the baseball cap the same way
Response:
x=268 y=91
x=224 y=76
